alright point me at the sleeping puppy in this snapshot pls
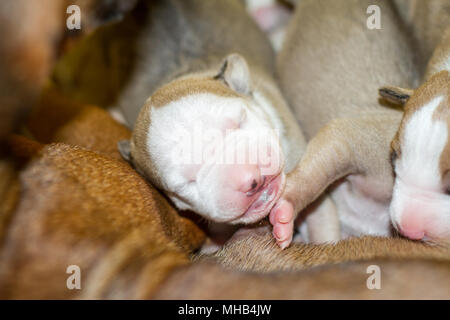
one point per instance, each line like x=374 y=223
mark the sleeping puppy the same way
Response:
x=421 y=153
x=210 y=141
x=215 y=135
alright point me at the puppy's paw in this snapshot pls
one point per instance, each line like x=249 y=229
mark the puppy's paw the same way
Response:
x=282 y=219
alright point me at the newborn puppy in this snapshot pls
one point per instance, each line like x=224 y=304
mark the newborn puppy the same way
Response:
x=215 y=135
x=421 y=153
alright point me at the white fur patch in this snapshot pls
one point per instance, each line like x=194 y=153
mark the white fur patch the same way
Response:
x=360 y=215
x=423 y=142
x=175 y=123
x=188 y=136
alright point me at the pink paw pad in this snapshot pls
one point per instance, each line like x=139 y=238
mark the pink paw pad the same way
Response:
x=282 y=219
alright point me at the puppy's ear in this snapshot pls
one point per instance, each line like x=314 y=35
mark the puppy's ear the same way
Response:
x=235 y=73
x=124 y=149
x=396 y=95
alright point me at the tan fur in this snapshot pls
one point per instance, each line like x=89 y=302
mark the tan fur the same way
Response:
x=440 y=55
x=409 y=279
x=426 y=21
x=258 y=252
x=408 y=270
x=323 y=71
x=180 y=88
x=436 y=83
x=328 y=68
x=138 y=144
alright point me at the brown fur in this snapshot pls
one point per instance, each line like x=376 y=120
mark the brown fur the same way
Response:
x=52 y=111
x=78 y=207
x=86 y=206
x=9 y=193
x=22 y=149
x=122 y=239
x=125 y=252
x=102 y=141
x=59 y=119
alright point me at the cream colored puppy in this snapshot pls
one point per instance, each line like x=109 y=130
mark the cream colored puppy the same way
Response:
x=211 y=141
x=215 y=135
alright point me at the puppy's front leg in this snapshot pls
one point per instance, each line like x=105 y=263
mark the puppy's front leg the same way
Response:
x=358 y=146
x=327 y=158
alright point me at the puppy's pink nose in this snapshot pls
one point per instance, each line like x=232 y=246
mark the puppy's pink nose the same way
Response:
x=245 y=178
x=413 y=224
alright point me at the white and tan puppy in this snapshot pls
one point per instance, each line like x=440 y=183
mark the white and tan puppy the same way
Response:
x=215 y=135
x=330 y=69
x=420 y=207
